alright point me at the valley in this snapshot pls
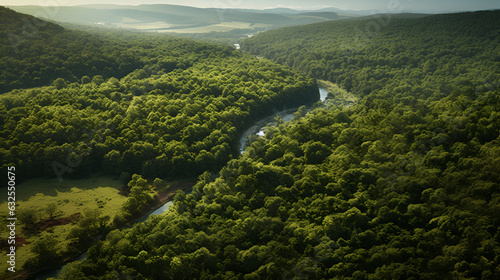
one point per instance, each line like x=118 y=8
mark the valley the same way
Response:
x=203 y=23
x=387 y=167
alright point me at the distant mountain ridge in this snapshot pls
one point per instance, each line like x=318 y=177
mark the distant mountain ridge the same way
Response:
x=176 y=18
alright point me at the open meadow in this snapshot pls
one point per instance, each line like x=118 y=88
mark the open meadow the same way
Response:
x=71 y=199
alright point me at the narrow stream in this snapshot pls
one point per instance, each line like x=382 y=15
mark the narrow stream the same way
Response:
x=256 y=129
x=55 y=272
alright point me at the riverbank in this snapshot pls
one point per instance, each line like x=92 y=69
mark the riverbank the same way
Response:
x=165 y=195
x=336 y=95
x=286 y=115
x=258 y=125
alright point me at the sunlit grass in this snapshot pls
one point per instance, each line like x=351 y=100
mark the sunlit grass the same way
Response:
x=338 y=93
x=144 y=25
x=220 y=27
x=71 y=196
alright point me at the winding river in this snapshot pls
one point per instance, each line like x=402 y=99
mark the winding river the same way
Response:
x=55 y=272
x=257 y=129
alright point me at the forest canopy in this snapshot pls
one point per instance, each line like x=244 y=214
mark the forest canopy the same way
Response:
x=403 y=185
x=176 y=110
x=35 y=52
x=410 y=57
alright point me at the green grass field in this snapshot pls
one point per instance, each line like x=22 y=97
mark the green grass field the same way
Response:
x=339 y=95
x=220 y=27
x=144 y=25
x=161 y=26
x=71 y=196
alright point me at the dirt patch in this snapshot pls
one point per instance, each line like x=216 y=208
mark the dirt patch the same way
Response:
x=124 y=191
x=164 y=196
x=20 y=241
x=59 y=222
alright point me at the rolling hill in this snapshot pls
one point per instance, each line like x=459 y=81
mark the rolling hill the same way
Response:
x=35 y=53
x=174 y=18
x=75 y=104
x=403 y=185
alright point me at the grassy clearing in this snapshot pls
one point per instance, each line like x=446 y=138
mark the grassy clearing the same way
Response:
x=144 y=25
x=71 y=196
x=339 y=95
x=220 y=27
x=52 y=187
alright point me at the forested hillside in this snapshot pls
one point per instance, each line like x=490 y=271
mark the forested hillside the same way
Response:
x=232 y=24
x=34 y=53
x=177 y=111
x=392 y=53
x=403 y=185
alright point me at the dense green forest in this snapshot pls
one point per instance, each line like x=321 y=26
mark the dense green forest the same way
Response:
x=176 y=109
x=397 y=54
x=403 y=185
x=34 y=53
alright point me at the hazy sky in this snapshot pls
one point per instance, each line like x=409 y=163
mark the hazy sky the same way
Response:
x=407 y=5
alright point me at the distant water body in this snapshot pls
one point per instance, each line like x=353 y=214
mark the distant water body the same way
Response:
x=258 y=127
